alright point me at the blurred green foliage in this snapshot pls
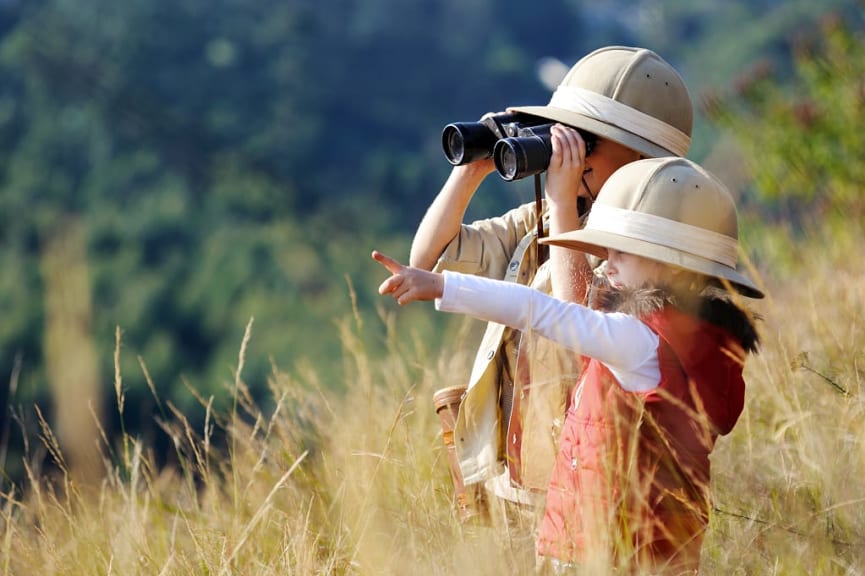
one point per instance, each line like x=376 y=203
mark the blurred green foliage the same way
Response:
x=801 y=139
x=234 y=160
x=229 y=161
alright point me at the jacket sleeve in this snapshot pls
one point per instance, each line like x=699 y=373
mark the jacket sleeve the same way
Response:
x=484 y=247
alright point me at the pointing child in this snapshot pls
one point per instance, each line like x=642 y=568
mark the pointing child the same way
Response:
x=663 y=350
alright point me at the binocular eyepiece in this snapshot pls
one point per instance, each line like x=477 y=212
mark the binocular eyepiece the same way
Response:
x=518 y=143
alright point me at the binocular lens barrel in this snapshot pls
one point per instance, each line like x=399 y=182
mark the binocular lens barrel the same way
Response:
x=518 y=157
x=519 y=145
x=466 y=142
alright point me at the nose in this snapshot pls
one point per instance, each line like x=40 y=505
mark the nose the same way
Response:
x=612 y=259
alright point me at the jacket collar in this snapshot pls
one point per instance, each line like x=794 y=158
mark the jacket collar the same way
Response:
x=712 y=305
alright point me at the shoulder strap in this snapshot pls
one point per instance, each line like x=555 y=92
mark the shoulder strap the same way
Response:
x=514 y=265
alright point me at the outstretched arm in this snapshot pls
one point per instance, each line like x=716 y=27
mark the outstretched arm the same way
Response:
x=407 y=284
x=593 y=333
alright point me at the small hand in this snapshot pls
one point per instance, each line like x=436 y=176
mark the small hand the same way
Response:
x=407 y=284
x=567 y=164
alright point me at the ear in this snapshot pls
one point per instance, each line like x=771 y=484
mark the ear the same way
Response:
x=675 y=274
x=687 y=280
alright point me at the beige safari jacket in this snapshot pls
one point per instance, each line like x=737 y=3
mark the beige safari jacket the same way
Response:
x=504 y=247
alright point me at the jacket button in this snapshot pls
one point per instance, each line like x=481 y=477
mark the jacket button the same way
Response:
x=490 y=354
x=574 y=463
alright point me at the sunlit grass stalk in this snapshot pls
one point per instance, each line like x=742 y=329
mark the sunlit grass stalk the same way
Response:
x=7 y=420
x=265 y=506
x=241 y=356
x=355 y=481
x=120 y=396
x=9 y=529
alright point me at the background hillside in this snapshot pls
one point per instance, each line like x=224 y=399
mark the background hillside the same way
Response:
x=172 y=169
x=200 y=378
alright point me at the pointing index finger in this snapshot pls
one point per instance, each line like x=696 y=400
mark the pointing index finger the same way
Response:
x=392 y=265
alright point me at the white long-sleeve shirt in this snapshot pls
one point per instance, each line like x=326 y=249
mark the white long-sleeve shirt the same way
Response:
x=620 y=341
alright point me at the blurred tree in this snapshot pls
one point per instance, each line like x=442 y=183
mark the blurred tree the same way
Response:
x=156 y=124
x=186 y=135
x=801 y=139
x=234 y=159
x=712 y=42
x=70 y=357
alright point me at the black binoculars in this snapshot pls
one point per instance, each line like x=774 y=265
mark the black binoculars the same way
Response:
x=518 y=143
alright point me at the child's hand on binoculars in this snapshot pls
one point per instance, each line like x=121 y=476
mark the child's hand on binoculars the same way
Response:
x=567 y=163
x=407 y=284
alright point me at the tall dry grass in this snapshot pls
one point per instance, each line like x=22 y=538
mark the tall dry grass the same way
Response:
x=788 y=480
x=357 y=483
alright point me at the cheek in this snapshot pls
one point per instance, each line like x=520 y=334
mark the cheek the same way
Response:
x=655 y=273
x=603 y=169
x=637 y=272
x=604 y=166
x=611 y=159
x=627 y=274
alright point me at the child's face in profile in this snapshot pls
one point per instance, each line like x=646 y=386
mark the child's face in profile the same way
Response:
x=625 y=270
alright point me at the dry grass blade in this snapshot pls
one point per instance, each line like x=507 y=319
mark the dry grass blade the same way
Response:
x=262 y=510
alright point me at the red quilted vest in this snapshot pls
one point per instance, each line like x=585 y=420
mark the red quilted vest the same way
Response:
x=631 y=479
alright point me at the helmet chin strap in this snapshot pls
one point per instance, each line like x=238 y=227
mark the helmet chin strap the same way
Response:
x=585 y=204
x=539 y=214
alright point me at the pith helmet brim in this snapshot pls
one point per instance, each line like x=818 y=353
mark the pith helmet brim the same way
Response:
x=624 y=94
x=669 y=210
x=596 y=242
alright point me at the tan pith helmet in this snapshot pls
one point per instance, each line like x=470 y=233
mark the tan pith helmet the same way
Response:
x=628 y=95
x=670 y=210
